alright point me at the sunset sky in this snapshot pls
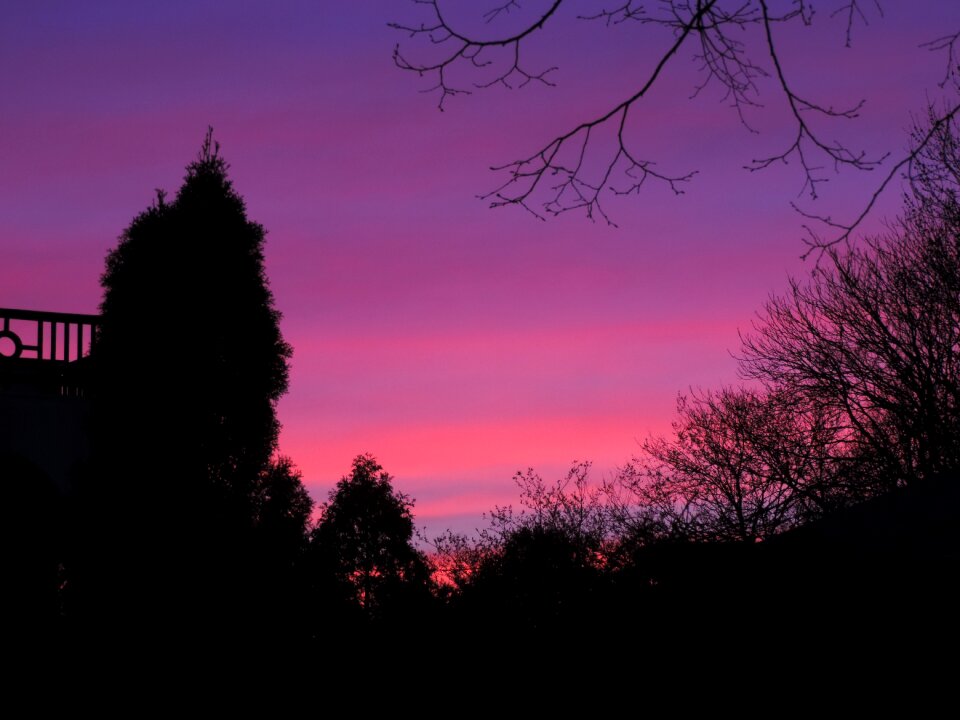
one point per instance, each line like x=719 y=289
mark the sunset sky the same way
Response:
x=456 y=343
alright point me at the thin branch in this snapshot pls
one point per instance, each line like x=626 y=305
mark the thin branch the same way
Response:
x=948 y=43
x=564 y=173
x=492 y=15
x=627 y=11
x=572 y=191
x=838 y=154
x=461 y=49
x=817 y=244
x=853 y=10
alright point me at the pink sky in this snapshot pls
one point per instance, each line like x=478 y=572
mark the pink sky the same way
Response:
x=455 y=343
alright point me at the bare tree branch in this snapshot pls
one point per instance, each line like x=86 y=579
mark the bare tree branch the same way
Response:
x=572 y=191
x=853 y=10
x=818 y=244
x=948 y=43
x=601 y=157
x=836 y=153
x=458 y=48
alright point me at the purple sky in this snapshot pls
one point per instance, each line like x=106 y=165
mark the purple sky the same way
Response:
x=456 y=343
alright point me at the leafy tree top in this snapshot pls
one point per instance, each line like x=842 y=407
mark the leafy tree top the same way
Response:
x=187 y=309
x=366 y=536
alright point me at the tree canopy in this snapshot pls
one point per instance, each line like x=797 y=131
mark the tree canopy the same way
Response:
x=365 y=540
x=190 y=363
x=188 y=316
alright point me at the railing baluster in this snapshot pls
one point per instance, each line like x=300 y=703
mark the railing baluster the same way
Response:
x=53 y=339
x=40 y=324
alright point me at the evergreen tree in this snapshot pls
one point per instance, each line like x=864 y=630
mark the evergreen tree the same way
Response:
x=191 y=363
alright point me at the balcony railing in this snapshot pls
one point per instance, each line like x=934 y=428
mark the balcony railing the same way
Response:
x=45 y=353
x=31 y=335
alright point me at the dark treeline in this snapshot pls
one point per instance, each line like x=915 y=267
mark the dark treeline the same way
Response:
x=823 y=490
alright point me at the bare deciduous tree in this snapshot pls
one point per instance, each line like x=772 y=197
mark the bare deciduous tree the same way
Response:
x=859 y=385
x=741 y=465
x=874 y=336
x=571 y=511
x=572 y=507
x=736 y=45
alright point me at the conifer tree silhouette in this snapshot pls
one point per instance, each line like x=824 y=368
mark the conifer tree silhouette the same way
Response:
x=190 y=365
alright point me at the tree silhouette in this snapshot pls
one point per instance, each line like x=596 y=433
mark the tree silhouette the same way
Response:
x=190 y=364
x=277 y=586
x=741 y=465
x=187 y=307
x=570 y=507
x=282 y=509
x=538 y=579
x=737 y=46
x=364 y=544
x=861 y=385
x=537 y=568
x=861 y=379
x=872 y=339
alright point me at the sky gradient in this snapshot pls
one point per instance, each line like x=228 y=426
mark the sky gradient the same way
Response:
x=456 y=343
